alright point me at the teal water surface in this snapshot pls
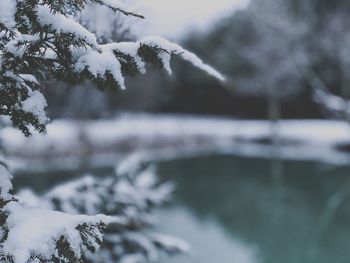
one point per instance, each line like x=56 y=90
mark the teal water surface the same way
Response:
x=251 y=210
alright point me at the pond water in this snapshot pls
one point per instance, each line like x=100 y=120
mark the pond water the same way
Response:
x=243 y=210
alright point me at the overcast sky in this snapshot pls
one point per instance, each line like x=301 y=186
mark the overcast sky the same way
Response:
x=173 y=18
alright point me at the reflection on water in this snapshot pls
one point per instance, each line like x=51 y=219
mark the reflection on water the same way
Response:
x=250 y=211
x=289 y=212
x=209 y=241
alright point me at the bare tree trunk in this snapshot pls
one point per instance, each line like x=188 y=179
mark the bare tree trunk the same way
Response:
x=274 y=115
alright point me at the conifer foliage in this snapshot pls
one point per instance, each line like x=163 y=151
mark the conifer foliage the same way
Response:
x=130 y=195
x=41 y=40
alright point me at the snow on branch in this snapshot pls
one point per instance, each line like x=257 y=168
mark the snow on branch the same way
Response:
x=5 y=183
x=31 y=234
x=334 y=104
x=7 y=13
x=36 y=104
x=43 y=40
x=171 y=48
x=63 y=24
x=47 y=235
x=130 y=196
x=120 y=60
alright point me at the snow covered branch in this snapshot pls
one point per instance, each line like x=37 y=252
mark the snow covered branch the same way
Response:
x=29 y=234
x=335 y=105
x=42 y=40
x=39 y=235
x=130 y=196
x=51 y=228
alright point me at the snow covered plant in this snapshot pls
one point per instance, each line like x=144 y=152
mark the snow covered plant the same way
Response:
x=130 y=196
x=42 y=235
x=41 y=40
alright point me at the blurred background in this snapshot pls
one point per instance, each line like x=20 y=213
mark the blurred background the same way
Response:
x=284 y=56
x=260 y=162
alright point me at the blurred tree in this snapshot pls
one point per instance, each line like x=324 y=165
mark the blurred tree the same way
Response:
x=281 y=52
x=261 y=49
x=273 y=57
x=331 y=62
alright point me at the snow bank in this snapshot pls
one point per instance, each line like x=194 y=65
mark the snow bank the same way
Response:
x=164 y=136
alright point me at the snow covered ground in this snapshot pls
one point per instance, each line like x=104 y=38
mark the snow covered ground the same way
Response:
x=168 y=136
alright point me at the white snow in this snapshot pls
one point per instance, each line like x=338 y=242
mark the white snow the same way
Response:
x=166 y=136
x=13 y=45
x=184 y=54
x=331 y=102
x=98 y=64
x=65 y=25
x=5 y=183
x=29 y=78
x=128 y=48
x=7 y=13
x=36 y=104
x=129 y=198
x=69 y=197
x=36 y=231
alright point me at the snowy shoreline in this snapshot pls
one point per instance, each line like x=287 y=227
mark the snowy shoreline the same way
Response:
x=171 y=136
